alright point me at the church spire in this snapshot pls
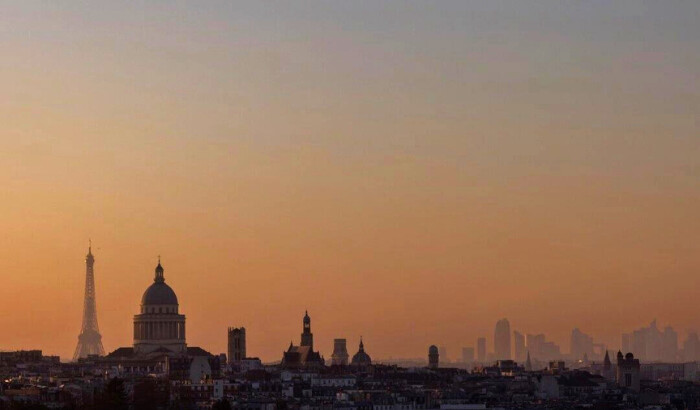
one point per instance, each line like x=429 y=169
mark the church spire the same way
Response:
x=528 y=363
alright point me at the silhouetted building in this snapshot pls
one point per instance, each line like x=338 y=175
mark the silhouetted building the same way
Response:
x=669 y=345
x=361 y=358
x=481 y=349
x=159 y=326
x=307 y=338
x=691 y=348
x=607 y=367
x=540 y=349
x=581 y=345
x=467 y=354
x=519 y=346
x=340 y=353
x=433 y=357
x=625 y=342
x=628 y=371
x=651 y=344
x=303 y=356
x=501 y=340
x=159 y=340
x=442 y=350
x=528 y=363
x=236 y=344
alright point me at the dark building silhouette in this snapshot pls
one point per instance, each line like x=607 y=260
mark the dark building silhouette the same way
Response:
x=307 y=338
x=528 y=363
x=236 y=344
x=519 y=346
x=159 y=326
x=467 y=354
x=303 y=356
x=481 y=349
x=340 y=353
x=501 y=340
x=159 y=339
x=607 y=367
x=89 y=340
x=628 y=370
x=361 y=358
x=433 y=357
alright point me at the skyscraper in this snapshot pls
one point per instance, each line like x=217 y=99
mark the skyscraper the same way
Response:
x=481 y=349
x=669 y=345
x=581 y=345
x=467 y=354
x=501 y=340
x=443 y=353
x=89 y=340
x=519 y=346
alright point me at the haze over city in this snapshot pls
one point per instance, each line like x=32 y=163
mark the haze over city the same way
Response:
x=408 y=173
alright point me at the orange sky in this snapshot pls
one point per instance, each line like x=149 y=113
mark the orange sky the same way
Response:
x=409 y=173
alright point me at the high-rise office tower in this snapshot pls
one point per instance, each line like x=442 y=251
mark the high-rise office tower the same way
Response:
x=626 y=344
x=519 y=346
x=443 y=353
x=467 y=354
x=481 y=350
x=581 y=345
x=501 y=340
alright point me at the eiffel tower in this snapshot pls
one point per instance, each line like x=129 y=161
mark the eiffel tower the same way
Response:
x=89 y=340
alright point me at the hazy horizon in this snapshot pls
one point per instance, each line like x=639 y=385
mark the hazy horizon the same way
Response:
x=409 y=172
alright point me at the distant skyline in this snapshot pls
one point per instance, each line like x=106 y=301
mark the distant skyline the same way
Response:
x=407 y=171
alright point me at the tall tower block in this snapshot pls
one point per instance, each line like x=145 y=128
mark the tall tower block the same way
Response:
x=236 y=344
x=89 y=340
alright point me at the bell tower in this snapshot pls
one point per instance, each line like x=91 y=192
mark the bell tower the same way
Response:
x=307 y=338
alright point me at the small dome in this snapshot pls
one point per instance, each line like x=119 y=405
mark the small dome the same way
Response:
x=159 y=293
x=361 y=358
x=433 y=350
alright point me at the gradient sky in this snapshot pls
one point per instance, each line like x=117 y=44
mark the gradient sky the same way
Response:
x=406 y=171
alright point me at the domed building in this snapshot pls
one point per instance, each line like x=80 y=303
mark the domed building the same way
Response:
x=159 y=326
x=159 y=340
x=361 y=358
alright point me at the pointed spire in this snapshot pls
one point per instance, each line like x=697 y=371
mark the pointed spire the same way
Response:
x=606 y=361
x=528 y=363
x=362 y=345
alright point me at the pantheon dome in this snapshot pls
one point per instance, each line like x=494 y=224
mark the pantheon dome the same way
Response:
x=159 y=327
